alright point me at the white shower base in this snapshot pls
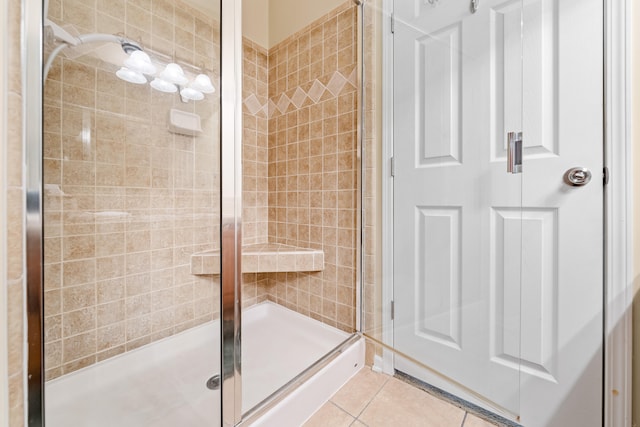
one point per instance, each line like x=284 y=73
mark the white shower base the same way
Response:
x=163 y=384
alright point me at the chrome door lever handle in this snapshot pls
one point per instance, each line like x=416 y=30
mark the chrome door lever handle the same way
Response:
x=577 y=177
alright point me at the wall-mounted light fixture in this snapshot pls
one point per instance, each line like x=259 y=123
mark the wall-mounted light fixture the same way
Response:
x=170 y=80
x=139 y=67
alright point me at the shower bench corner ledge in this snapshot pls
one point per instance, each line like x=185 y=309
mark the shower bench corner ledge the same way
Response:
x=262 y=258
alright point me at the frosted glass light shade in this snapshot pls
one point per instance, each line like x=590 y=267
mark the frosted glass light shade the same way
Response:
x=173 y=74
x=131 y=76
x=191 y=94
x=140 y=61
x=163 y=86
x=202 y=83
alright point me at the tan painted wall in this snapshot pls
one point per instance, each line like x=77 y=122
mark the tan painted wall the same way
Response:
x=255 y=21
x=269 y=22
x=288 y=16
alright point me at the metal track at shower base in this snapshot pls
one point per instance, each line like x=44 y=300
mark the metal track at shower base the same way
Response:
x=279 y=395
x=456 y=401
x=501 y=409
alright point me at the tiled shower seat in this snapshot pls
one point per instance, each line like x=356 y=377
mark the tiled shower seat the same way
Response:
x=262 y=258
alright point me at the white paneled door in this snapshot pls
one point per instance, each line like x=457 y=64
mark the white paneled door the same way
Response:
x=498 y=278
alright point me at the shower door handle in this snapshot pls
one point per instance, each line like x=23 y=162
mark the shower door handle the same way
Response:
x=514 y=152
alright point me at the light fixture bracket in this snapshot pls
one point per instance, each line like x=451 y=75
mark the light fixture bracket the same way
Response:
x=128 y=46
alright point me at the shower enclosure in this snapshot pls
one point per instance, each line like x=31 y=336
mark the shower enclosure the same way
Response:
x=218 y=221
x=199 y=215
x=131 y=174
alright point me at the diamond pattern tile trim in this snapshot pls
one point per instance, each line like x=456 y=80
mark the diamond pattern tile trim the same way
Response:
x=298 y=97
x=316 y=91
x=283 y=103
x=335 y=86
x=336 y=83
x=252 y=104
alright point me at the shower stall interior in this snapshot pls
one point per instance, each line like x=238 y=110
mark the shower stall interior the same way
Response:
x=185 y=220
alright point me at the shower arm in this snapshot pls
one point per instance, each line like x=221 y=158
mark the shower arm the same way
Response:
x=51 y=58
x=68 y=40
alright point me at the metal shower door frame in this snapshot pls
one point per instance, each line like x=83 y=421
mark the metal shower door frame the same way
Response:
x=231 y=204
x=32 y=35
x=231 y=199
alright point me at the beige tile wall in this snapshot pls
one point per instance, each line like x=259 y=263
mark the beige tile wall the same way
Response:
x=126 y=201
x=11 y=166
x=313 y=163
x=255 y=220
x=255 y=216
x=309 y=115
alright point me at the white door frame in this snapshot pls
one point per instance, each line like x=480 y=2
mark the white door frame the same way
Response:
x=619 y=214
x=618 y=278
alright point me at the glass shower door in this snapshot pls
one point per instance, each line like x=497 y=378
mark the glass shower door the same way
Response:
x=450 y=308
x=131 y=155
x=299 y=202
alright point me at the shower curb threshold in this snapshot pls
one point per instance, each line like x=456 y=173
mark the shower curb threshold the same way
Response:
x=303 y=396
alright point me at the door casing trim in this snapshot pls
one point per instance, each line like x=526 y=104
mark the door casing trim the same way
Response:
x=618 y=204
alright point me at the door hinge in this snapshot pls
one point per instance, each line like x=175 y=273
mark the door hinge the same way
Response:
x=393 y=310
x=605 y=175
x=393 y=167
x=393 y=25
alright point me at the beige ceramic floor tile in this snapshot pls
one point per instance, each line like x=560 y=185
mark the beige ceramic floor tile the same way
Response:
x=330 y=415
x=357 y=423
x=473 y=421
x=355 y=395
x=400 y=404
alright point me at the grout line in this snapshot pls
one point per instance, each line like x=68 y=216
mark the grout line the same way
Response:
x=359 y=413
x=372 y=399
x=359 y=421
x=354 y=418
x=464 y=419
